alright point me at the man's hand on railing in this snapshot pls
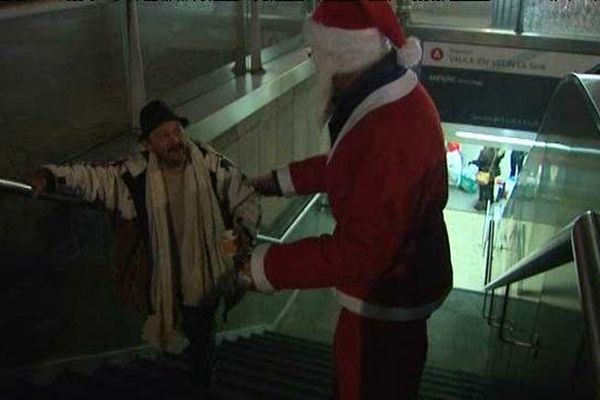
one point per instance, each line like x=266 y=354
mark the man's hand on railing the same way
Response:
x=245 y=276
x=41 y=180
x=267 y=185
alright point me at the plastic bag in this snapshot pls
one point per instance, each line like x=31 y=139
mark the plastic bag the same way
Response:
x=468 y=183
x=454 y=161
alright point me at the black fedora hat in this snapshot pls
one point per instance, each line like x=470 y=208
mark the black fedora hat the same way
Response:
x=155 y=113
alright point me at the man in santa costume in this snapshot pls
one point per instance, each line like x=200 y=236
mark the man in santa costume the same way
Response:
x=386 y=178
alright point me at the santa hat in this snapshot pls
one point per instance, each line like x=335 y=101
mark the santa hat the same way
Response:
x=358 y=33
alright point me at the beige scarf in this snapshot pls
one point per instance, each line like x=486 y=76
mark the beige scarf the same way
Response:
x=200 y=254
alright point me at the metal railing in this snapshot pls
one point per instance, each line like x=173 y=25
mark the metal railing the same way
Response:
x=579 y=241
x=506 y=327
x=297 y=219
x=489 y=295
x=26 y=190
x=280 y=240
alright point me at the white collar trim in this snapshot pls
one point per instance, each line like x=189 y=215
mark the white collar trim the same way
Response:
x=389 y=93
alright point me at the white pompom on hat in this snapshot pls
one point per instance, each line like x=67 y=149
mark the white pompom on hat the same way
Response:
x=356 y=34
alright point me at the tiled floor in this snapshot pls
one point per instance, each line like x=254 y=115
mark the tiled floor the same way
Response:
x=465 y=230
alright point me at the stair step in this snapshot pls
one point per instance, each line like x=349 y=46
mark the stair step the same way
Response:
x=323 y=355
x=259 y=367
x=276 y=354
x=285 y=353
x=123 y=381
x=266 y=366
x=280 y=362
x=461 y=376
x=177 y=362
x=448 y=392
x=168 y=371
x=219 y=391
x=75 y=385
x=259 y=388
x=448 y=384
x=282 y=380
x=304 y=343
x=138 y=381
x=29 y=392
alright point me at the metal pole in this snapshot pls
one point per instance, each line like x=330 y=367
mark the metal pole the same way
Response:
x=520 y=14
x=403 y=11
x=25 y=190
x=239 y=67
x=255 y=39
x=137 y=87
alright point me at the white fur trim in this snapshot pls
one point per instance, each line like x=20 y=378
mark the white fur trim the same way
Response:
x=386 y=94
x=410 y=54
x=257 y=267
x=369 y=310
x=284 y=178
x=333 y=39
x=345 y=50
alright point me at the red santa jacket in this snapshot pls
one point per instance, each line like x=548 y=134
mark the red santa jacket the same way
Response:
x=386 y=179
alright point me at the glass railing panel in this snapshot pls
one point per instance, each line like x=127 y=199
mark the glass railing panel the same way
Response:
x=63 y=81
x=279 y=213
x=466 y=216
x=182 y=41
x=557 y=184
x=310 y=314
x=450 y=14
x=57 y=260
x=281 y=26
x=64 y=90
x=284 y=130
x=574 y=19
x=562 y=18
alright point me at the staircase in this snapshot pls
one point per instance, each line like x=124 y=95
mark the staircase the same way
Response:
x=266 y=366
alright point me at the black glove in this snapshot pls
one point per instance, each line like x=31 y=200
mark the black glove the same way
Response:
x=267 y=185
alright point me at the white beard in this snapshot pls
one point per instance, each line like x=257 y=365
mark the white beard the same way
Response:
x=323 y=93
x=325 y=69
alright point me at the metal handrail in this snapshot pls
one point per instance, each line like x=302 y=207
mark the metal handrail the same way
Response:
x=292 y=226
x=555 y=253
x=488 y=307
x=26 y=190
x=579 y=241
x=268 y=239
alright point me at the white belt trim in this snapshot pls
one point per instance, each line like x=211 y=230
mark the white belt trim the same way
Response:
x=368 y=310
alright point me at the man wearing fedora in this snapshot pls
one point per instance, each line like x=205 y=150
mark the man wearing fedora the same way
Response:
x=386 y=179
x=183 y=213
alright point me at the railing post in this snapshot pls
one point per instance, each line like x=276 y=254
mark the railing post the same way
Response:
x=403 y=11
x=137 y=87
x=520 y=16
x=239 y=67
x=489 y=260
x=255 y=39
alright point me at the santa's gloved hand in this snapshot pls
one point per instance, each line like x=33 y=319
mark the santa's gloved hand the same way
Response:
x=267 y=185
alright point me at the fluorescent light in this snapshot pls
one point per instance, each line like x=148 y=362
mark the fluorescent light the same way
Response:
x=484 y=137
x=496 y=139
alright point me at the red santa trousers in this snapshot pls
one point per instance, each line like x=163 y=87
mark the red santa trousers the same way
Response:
x=378 y=360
